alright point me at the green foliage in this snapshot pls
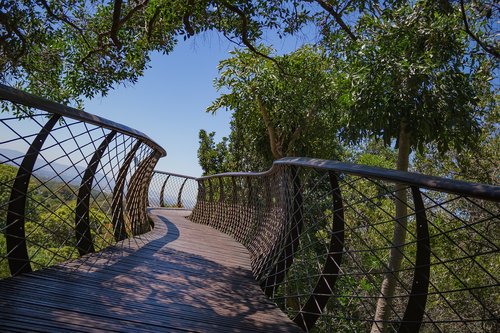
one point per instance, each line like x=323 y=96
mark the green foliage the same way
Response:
x=7 y=176
x=375 y=153
x=412 y=64
x=4 y=265
x=55 y=228
x=68 y=49
x=279 y=111
x=72 y=48
x=50 y=220
x=478 y=164
x=213 y=158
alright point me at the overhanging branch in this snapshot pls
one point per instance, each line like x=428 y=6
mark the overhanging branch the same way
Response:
x=338 y=18
x=244 y=34
x=488 y=48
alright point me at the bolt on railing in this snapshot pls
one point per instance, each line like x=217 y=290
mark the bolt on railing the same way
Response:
x=320 y=234
x=71 y=183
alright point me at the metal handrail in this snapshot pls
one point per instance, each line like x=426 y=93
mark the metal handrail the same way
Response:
x=476 y=190
x=315 y=228
x=175 y=174
x=168 y=184
x=20 y=97
x=113 y=164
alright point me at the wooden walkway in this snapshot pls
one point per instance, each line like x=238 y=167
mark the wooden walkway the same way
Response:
x=180 y=277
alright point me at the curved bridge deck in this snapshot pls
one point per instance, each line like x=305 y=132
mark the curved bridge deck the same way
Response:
x=181 y=276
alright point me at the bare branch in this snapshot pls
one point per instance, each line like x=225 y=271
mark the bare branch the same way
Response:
x=338 y=18
x=113 y=33
x=488 y=48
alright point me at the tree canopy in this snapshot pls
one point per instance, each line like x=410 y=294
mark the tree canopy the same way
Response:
x=289 y=110
x=69 y=49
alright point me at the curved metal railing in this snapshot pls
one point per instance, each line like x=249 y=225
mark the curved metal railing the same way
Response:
x=320 y=235
x=71 y=183
x=171 y=190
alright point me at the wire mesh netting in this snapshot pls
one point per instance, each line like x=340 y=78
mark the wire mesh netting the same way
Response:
x=171 y=190
x=67 y=188
x=339 y=252
x=338 y=247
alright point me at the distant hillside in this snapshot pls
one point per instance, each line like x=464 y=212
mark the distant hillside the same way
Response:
x=70 y=174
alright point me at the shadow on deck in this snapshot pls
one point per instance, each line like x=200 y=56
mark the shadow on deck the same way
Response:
x=181 y=276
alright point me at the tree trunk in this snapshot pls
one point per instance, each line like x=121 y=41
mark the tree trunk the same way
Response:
x=384 y=303
x=276 y=146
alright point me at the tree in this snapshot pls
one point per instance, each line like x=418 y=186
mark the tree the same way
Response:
x=279 y=111
x=68 y=49
x=213 y=158
x=72 y=48
x=476 y=164
x=412 y=84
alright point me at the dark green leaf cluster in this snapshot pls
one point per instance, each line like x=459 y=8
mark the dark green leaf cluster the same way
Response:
x=413 y=65
x=213 y=158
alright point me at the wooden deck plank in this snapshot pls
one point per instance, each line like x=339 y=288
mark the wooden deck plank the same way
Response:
x=179 y=277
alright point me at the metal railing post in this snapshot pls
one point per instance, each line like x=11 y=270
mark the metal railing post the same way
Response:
x=118 y=221
x=414 y=313
x=162 y=192
x=179 y=196
x=84 y=241
x=17 y=251
x=324 y=288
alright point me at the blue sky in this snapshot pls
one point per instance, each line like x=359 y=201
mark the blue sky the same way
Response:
x=168 y=103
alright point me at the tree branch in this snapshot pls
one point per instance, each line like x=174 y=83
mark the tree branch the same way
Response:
x=276 y=148
x=102 y=49
x=152 y=22
x=186 y=16
x=118 y=22
x=338 y=18
x=293 y=138
x=4 y=19
x=244 y=34
x=115 y=27
x=113 y=33
x=64 y=19
x=347 y=4
x=489 y=49
x=133 y=11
